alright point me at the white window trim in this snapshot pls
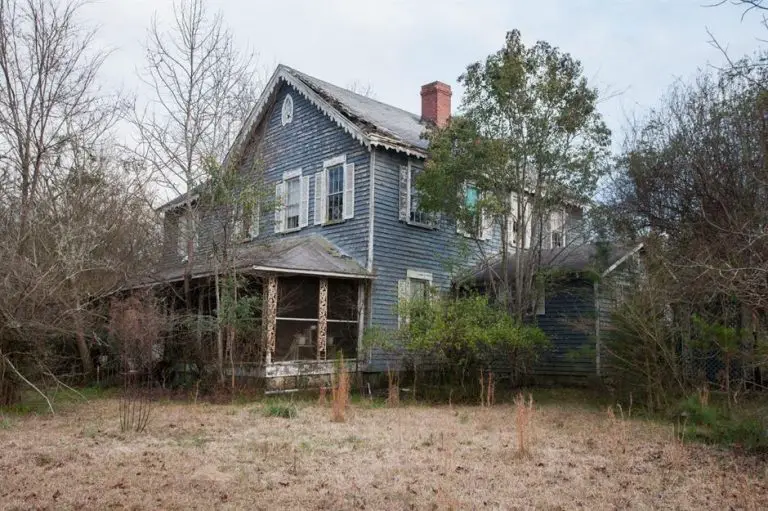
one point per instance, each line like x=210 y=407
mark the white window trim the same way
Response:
x=182 y=248
x=557 y=223
x=404 y=288
x=321 y=196
x=286 y=112
x=409 y=185
x=419 y=275
x=282 y=206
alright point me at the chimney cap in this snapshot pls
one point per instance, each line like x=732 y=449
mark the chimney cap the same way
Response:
x=435 y=86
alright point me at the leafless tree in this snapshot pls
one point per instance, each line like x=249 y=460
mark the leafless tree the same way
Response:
x=49 y=95
x=202 y=87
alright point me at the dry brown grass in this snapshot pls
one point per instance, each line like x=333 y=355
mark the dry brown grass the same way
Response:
x=411 y=457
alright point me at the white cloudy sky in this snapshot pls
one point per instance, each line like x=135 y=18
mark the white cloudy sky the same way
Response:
x=637 y=47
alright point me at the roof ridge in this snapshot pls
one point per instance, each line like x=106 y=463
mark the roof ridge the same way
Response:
x=301 y=74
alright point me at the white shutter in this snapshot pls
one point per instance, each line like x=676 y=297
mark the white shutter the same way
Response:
x=349 y=190
x=402 y=297
x=487 y=226
x=253 y=230
x=513 y=205
x=319 y=210
x=405 y=192
x=279 y=203
x=304 y=204
x=459 y=226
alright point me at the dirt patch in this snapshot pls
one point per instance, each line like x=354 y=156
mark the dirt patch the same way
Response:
x=225 y=456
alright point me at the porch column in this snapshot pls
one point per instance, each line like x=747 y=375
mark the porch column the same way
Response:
x=322 y=319
x=360 y=317
x=270 y=317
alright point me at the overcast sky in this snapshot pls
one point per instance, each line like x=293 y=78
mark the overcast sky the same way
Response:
x=636 y=47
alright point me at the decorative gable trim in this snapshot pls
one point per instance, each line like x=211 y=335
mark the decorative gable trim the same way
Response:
x=283 y=75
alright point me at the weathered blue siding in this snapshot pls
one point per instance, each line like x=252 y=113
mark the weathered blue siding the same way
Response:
x=399 y=247
x=305 y=143
x=569 y=323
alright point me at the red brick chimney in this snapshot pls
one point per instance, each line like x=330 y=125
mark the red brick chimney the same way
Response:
x=436 y=103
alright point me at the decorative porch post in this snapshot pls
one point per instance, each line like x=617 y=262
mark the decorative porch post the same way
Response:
x=270 y=317
x=322 y=319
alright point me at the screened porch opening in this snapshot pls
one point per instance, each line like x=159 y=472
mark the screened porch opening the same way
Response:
x=298 y=318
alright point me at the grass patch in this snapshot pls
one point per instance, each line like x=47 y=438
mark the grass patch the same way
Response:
x=280 y=409
x=5 y=423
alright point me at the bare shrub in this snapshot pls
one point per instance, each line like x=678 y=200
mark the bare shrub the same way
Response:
x=340 y=392
x=136 y=326
x=135 y=411
x=618 y=428
x=524 y=413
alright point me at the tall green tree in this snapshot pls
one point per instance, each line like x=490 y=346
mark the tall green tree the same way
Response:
x=529 y=142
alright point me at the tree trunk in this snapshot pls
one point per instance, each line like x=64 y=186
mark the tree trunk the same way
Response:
x=82 y=345
x=219 y=333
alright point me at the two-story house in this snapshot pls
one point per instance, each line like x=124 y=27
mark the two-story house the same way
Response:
x=346 y=238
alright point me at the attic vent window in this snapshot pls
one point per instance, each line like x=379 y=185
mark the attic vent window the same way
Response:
x=287 y=113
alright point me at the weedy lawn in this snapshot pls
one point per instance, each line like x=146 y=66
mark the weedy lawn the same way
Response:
x=411 y=457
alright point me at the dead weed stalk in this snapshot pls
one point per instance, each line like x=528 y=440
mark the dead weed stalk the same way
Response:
x=340 y=385
x=523 y=423
x=393 y=389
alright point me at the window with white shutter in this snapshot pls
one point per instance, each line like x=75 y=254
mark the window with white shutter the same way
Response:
x=292 y=202
x=416 y=286
x=335 y=191
x=410 y=207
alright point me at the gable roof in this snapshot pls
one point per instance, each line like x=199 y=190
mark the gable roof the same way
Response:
x=371 y=122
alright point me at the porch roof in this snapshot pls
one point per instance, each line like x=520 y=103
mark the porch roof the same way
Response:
x=576 y=258
x=295 y=255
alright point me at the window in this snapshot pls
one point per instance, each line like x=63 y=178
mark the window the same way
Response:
x=187 y=223
x=480 y=225
x=286 y=115
x=416 y=286
x=247 y=222
x=557 y=239
x=515 y=225
x=335 y=193
x=557 y=229
x=292 y=202
x=410 y=208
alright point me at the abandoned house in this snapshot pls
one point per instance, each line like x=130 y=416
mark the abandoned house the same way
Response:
x=346 y=239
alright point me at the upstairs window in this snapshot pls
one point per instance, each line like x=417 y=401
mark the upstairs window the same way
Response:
x=557 y=229
x=410 y=207
x=479 y=225
x=335 y=191
x=188 y=221
x=247 y=222
x=292 y=202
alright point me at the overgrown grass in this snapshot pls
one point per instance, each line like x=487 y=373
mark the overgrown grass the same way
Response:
x=713 y=422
